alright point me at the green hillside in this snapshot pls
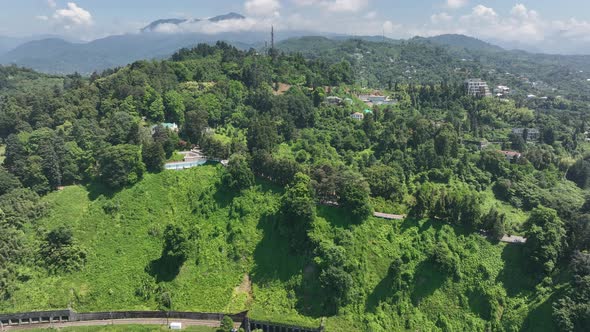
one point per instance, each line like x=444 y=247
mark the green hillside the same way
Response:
x=239 y=261
x=90 y=219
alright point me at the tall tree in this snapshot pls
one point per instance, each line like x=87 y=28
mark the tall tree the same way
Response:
x=154 y=157
x=174 y=107
x=545 y=234
x=120 y=165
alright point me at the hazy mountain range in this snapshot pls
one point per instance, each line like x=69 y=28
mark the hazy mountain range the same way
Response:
x=159 y=39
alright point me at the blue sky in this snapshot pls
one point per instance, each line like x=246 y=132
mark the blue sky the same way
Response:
x=520 y=21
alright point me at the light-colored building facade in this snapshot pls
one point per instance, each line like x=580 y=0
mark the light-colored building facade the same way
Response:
x=357 y=116
x=477 y=88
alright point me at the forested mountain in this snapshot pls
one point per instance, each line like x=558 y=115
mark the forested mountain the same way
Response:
x=91 y=220
x=462 y=42
x=450 y=58
x=420 y=60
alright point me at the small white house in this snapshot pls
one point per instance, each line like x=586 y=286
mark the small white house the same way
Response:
x=175 y=326
x=357 y=116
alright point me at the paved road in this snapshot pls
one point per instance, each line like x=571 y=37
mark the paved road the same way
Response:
x=142 y=321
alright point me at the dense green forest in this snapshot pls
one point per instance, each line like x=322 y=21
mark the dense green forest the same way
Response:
x=451 y=58
x=90 y=219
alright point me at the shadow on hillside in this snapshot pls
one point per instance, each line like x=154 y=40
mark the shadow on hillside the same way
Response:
x=273 y=257
x=311 y=298
x=223 y=196
x=515 y=277
x=541 y=318
x=96 y=189
x=337 y=217
x=427 y=279
x=384 y=292
x=479 y=304
x=165 y=268
x=275 y=261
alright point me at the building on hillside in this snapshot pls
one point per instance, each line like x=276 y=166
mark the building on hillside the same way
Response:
x=333 y=100
x=529 y=134
x=477 y=88
x=357 y=116
x=478 y=144
x=501 y=91
x=511 y=155
x=377 y=100
x=170 y=126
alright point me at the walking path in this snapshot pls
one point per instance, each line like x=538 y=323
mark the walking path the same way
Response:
x=389 y=216
x=513 y=239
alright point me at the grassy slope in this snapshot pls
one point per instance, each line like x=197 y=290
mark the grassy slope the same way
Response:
x=123 y=245
x=2 y=151
x=515 y=218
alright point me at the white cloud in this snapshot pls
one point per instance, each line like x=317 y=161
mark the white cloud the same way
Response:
x=208 y=27
x=72 y=16
x=371 y=15
x=352 y=6
x=441 y=18
x=389 y=27
x=51 y=3
x=483 y=12
x=455 y=4
x=262 y=7
x=520 y=25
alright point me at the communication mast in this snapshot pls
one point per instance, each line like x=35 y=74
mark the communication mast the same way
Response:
x=272 y=52
x=272 y=37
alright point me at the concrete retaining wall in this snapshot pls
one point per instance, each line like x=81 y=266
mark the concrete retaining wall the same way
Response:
x=36 y=317
x=39 y=317
x=251 y=325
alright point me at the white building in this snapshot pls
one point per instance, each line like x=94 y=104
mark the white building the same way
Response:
x=477 y=88
x=357 y=116
x=377 y=100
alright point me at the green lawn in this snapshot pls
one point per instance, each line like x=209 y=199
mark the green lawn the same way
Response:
x=515 y=218
x=176 y=157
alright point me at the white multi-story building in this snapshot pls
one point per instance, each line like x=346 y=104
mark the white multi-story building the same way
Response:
x=477 y=88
